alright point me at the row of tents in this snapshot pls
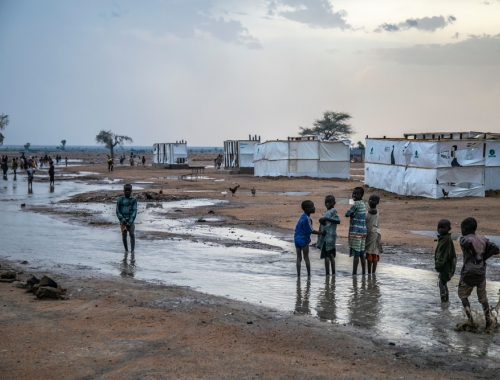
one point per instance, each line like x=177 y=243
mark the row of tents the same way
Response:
x=432 y=165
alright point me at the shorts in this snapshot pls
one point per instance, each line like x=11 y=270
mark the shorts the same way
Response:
x=372 y=257
x=465 y=291
x=328 y=254
x=301 y=242
x=124 y=228
x=354 y=253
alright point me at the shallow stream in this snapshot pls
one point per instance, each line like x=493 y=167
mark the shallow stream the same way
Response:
x=399 y=304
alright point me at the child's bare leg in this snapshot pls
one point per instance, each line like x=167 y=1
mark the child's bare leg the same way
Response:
x=443 y=290
x=327 y=266
x=124 y=239
x=332 y=260
x=355 y=263
x=466 y=304
x=374 y=267
x=132 y=241
x=363 y=263
x=299 y=259
x=487 y=315
x=305 y=251
x=369 y=264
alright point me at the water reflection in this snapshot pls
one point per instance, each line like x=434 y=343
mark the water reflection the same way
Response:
x=364 y=301
x=327 y=306
x=52 y=188
x=127 y=269
x=302 y=299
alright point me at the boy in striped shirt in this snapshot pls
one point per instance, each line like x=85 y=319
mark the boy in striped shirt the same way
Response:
x=357 y=230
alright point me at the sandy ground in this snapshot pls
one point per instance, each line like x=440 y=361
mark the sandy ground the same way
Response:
x=124 y=328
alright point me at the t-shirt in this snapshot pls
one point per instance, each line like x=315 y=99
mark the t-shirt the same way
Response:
x=304 y=228
x=331 y=230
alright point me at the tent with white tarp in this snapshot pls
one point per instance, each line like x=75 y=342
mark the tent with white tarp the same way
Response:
x=170 y=154
x=303 y=156
x=238 y=154
x=435 y=165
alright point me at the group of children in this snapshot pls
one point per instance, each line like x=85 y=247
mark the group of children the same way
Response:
x=364 y=234
x=365 y=245
x=476 y=250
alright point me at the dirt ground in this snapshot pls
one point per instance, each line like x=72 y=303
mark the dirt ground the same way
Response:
x=117 y=328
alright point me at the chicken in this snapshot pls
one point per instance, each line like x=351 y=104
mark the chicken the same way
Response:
x=224 y=193
x=233 y=190
x=161 y=191
x=253 y=191
x=149 y=196
x=23 y=205
x=445 y=193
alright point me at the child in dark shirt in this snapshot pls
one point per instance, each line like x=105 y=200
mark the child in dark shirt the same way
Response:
x=445 y=258
x=476 y=249
x=302 y=236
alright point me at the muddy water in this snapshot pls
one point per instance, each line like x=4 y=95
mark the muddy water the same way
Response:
x=399 y=304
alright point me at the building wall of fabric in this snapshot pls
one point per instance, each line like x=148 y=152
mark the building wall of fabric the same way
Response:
x=312 y=158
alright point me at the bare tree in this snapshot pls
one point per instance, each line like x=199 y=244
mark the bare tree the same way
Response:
x=333 y=126
x=110 y=140
x=4 y=121
x=63 y=145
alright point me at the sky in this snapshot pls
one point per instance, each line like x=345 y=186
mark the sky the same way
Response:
x=206 y=71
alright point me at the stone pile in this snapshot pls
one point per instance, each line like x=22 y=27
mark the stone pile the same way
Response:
x=45 y=287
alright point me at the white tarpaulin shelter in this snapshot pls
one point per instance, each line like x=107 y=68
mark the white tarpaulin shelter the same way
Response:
x=435 y=165
x=239 y=153
x=170 y=153
x=305 y=156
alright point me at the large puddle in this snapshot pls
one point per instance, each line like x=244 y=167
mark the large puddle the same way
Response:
x=399 y=304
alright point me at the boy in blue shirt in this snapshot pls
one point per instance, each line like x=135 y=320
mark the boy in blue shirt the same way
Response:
x=302 y=236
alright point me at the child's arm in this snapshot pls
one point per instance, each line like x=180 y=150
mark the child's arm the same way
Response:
x=318 y=232
x=134 y=212
x=491 y=249
x=351 y=212
x=120 y=216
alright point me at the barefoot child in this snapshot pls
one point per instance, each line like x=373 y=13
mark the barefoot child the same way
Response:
x=302 y=236
x=373 y=245
x=476 y=249
x=326 y=243
x=357 y=230
x=126 y=211
x=445 y=258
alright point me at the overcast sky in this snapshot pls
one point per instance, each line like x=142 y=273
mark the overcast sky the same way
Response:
x=206 y=71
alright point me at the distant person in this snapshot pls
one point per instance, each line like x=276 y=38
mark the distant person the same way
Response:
x=476 y=250
x=126 y=211
x=357 y=230
x=31 y=174
x=66 y=161
x=5 y=167
x=302 y=236
x=122 y=158
x=15 y=165
x=326 y=243
x=373 y=245
x=218 y=161
x=110 y=163
x=131 y=160
x=51 y=173
x=445 y=258
x=143 y=161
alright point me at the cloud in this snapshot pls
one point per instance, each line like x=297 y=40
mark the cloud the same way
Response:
x=428 y=24
x=313 y=13
x=474 y=51
x=190 y=18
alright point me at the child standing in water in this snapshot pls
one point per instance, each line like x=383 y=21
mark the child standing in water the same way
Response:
x=476 y=249
x=126 y=211
x=445 y=258
x=373 y=247
x=302 y=236
x=326 y=243
x=357 y=230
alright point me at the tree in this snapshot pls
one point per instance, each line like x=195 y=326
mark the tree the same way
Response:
x=110 y=140
x=333 y=126
x=63 y=145
x=360 y=145
x=27 y=146
x=4 y=121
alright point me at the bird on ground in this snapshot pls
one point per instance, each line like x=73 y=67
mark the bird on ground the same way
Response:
x=233 y=190
x=161 y=191
x=23 y=205
x=253 y=191
x=149 y=196
x=445 y=193
x=224 y=193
